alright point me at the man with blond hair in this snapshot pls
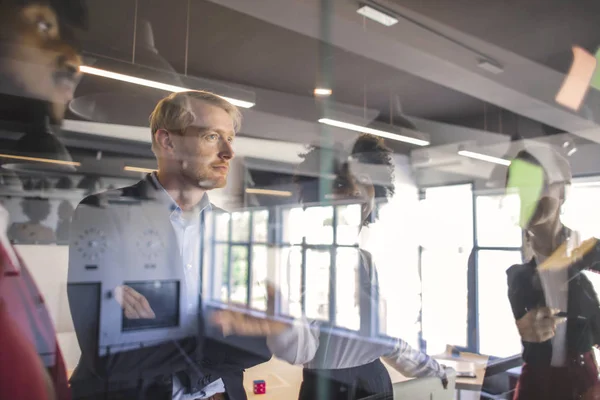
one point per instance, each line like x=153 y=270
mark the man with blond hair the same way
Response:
x=192 y=138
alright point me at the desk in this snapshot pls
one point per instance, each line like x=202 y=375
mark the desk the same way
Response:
x=476 y=365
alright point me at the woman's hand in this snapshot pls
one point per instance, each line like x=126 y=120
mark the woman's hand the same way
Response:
x=539 y=325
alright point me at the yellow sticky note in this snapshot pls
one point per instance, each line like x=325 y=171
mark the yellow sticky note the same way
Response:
x=577 y=81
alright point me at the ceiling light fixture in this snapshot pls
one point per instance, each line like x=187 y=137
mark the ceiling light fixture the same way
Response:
x=323 y=92
x=484 y=157
x=44 y=160
x=269 y=192
x=376 y=132
x=153 y=84
x=378 y=15
x=139 y=169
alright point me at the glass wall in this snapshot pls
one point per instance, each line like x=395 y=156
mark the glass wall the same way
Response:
x=216 y=198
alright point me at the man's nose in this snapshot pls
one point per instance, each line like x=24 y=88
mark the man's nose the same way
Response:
x=226 y=152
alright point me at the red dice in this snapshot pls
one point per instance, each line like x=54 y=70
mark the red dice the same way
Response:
x=260 y=387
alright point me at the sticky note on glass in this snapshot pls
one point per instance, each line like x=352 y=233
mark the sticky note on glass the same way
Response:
x=527 y=180
x=577 y=81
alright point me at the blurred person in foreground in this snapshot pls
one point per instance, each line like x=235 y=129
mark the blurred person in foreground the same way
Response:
x=554 y=304
x=39 y=70
x=343 y=365
x=192 y=138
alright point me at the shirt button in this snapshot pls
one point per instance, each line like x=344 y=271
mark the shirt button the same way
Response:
x=188 y=266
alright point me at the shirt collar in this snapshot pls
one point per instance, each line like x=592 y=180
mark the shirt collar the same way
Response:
x=164 y=197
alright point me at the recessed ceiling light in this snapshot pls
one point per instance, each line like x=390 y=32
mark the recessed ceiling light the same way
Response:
x=376 y=132
x=323 y=92
x=153 y=84
x=484 y=157
x=377 y=15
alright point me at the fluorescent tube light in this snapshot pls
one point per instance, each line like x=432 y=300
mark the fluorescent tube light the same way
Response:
x=377 y=15
x=269 y=192
x=44 y=160
x=323 y=92
x=139 y=169
x=484 y=157
x=153 y=84
x=376 y=132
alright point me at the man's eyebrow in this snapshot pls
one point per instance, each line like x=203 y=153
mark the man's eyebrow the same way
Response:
x=208 y=129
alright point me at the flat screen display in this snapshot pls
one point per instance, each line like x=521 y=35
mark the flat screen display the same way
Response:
x=163 y=297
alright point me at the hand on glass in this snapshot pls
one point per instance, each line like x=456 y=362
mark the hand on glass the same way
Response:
x=239 y=323
x=133 y=303
x=539 y=324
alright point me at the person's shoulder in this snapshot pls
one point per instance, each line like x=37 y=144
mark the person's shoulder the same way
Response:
x=104 y=199
x=518 y=272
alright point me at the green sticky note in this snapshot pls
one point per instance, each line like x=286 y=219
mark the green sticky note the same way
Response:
x=527 y=180
x=595 y=82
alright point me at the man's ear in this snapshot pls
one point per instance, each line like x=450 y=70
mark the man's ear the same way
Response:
x=163 y=139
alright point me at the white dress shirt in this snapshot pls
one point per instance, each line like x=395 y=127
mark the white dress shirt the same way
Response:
x=187 y=227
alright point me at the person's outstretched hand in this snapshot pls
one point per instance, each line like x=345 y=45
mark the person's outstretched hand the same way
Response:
x=539 y=325
x=134 y=304
x=240 y=323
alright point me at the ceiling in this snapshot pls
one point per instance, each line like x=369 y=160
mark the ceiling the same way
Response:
x=231 y=46
x=541 y=30
x=282 y=65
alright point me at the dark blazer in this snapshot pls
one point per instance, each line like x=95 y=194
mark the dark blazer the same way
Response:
x=146 y=373
x=525 y=292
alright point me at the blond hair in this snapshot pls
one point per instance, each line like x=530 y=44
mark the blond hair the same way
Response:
x=174 y=113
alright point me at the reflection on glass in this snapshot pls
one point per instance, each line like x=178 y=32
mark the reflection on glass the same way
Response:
x=222 y=264
x=317 y=284
x=319 y=225
x=498 y=335
x=259 y=278
x=239 y=274
x=293 y=225
x=497 y=221
x=222 y=226
x=240 y=226
x=348 y=222
x=260 y=226
x=347 y=313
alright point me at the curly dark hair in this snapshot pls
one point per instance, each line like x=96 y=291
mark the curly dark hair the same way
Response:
x=368 y=155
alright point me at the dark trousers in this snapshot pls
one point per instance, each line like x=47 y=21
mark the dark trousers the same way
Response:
x=345 y=384
x=577 y=380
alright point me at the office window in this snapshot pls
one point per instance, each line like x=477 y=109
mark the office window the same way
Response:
x=239 y=257
x=580 y=211
x=446 y=237
x=320 y=253
x=499 y=240
x=497 y=221
x=498 y=335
